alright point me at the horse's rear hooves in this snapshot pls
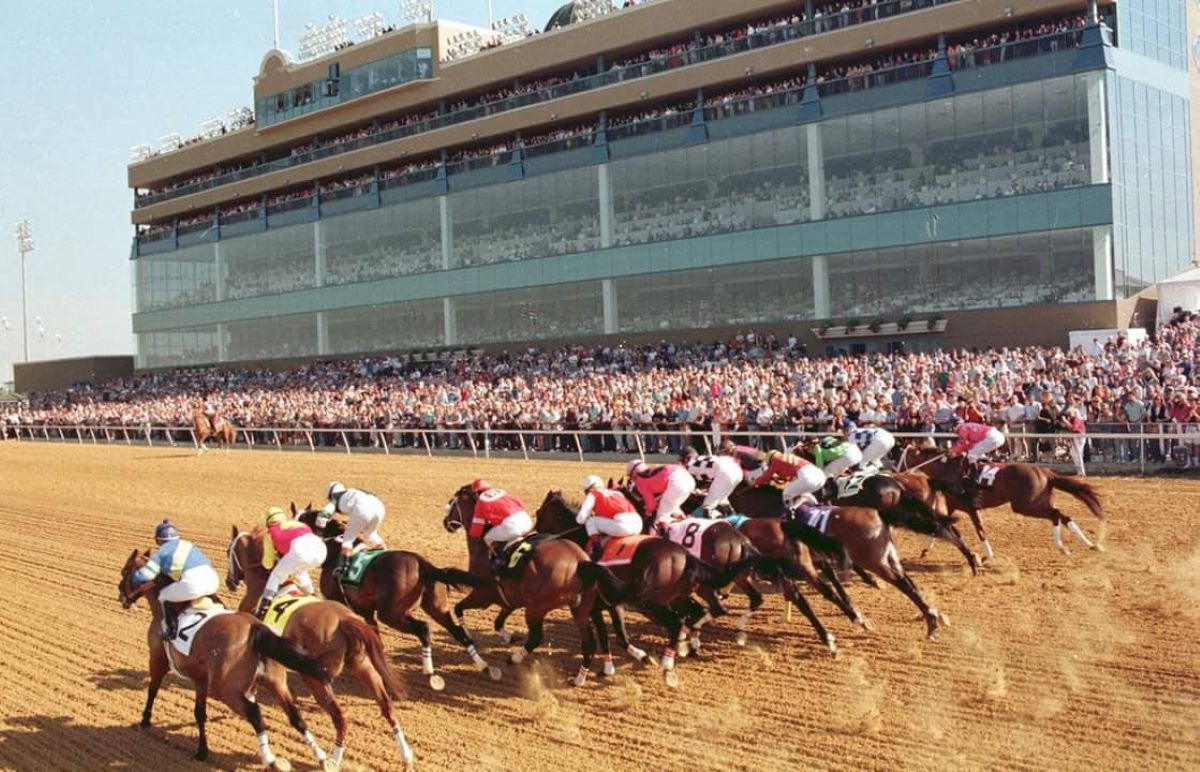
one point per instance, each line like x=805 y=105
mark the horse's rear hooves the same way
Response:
x=281 y=765
x=1098 y=547
x=494 y=673
x=945 y=620
x=329 y=765
x=437 y=683
x=671 y=678
x=740 y=639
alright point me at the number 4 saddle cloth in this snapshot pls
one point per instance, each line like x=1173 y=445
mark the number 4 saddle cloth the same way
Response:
x=284 y=606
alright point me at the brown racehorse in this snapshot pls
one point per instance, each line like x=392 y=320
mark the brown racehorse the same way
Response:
x=555 y=515
x=329 y=632
x=1026 y=488
x=393 y=585
x=226 y=661
x=549 y=579
x=202 y=430
x=857 y=534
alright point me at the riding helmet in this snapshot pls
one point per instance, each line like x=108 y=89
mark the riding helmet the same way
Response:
x=334 y=489
x=592 y=481
x=275 y=516
x=166 y=531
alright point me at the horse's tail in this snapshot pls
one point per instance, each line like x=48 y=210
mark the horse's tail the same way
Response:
x=360 y=636
x=915 y=515
x=811 y=537
x=452 y=577
x=612 y=590
x=1073 y=486
x=267 y=644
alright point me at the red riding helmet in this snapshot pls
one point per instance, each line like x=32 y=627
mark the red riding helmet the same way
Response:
x=480 y=485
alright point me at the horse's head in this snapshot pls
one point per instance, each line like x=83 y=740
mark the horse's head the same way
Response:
x=128 y=593
x=245 y=552
x=554 y=514
x=459 y=510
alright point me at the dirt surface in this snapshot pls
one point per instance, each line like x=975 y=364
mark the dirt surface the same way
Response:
x=1090 y=661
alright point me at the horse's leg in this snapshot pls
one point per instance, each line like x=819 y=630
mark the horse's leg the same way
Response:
x=951 y=534
x=891 y=571
x=435 y=605
x=697 y=620
x=247 y=707
x=980 y=531
x=365 y=672
x=158 y=671
x=756 y=601
x=534 y=618
x=597 y=617
x=506 y=636
x=406 y=623
x=866 y=577
x=793 y=594
x=201 y=714
x=582 y=614
x=479 y=597
x=617 y=614
x=1056 y=518
x=1074 y=528
x=275 y=678
x=832 y=590
x=670 y=620
x=323 y=694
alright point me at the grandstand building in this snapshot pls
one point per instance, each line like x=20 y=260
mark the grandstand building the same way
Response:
x=934 y=172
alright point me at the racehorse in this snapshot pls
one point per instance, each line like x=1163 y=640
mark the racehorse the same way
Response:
x=549 y=579
x=857 y=534
x=391 y=587
x=1026 y=488
x=722 y=547
x=226 y=660
x=328 y=631
x=202 y=430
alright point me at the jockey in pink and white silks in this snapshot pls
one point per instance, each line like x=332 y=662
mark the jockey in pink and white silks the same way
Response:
x=662 y=488
x=977 y=440
x=722 y=474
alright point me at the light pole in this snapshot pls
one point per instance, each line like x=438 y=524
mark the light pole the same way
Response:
x=24 y=238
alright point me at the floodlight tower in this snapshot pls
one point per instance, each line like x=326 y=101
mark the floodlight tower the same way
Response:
x=24 y=237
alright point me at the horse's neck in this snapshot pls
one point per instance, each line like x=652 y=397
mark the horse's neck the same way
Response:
x=156 y=609
x=478 y=557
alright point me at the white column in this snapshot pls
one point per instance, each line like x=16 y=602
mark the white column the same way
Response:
x=447 y=234
x=322 y=333
x=606 y=221
x=609 y=293
x=1102 y=261
x=1097 y=115
x=219 y=271
x=816 y=172
x=820 y=278
x=221 y=335
x=318 y=255
x=449 y=323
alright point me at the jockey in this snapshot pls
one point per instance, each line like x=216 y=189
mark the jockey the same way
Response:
x=662 y=488
x=210 y=412
x=977 y=440
x=721 y=473
x=606 y=512
x=835 y=455
x=298 y=550
x=748 y=458
x=364 y=512
x=499 y=517
x=188 y=574
x=797 y=475
x=875 y=444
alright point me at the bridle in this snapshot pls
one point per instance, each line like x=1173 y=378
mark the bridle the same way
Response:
x=237 y=572
x=453 y=524
x=904 y=467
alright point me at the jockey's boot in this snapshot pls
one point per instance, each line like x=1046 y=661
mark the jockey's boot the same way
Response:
x=171 y=620
x=829 y=491
x=341 y=566
x=497 y=560
x=593 y=547
x=264 y=604
x=724 y=509
x=660 y=529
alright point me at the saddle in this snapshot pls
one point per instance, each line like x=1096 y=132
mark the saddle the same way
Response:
x=984 y=475
x=510 y=561
x=357 y=566
x=853 y=485
x=813 y=516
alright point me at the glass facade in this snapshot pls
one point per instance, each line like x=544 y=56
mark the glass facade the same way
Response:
x=558 y=311
x=1151 y=173
x=281 y=337
x=413 y=325
x=178 y=348
x=1156 y=29
x=279 y=260
x=184 y=277
x=382 y=243
x=413 y=64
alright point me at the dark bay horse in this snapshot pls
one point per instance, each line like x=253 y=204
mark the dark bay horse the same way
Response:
x=556 y=515
x=202 y=430
x=331 y=633
x=1028 y=489
x=391 y=588
x=549 y=579
x=226 y=661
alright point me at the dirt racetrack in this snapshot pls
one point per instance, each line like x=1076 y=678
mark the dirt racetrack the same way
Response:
x=1084 y=662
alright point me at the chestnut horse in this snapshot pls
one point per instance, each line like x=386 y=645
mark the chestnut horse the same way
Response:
x=226 y=661
x=549 y=579
x=1026 y=488
x=202 y=430
x=331 y=633
x=391 y=588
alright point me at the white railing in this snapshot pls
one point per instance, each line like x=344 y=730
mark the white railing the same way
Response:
x=1153 y=446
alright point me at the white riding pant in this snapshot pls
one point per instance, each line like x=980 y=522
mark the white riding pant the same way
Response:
x=304 y=554
x=363 y=523
x=991 y=441
x=877 y=449
x=514 y=526
x=679 y=487
x=624 y=524
x=848 y=459
x=808 y=479
x=727 y=473
x=194 y=583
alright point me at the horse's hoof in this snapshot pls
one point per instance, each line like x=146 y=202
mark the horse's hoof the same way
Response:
x=329 y=765
x=740 y=638
x=580 y=678
x=865 y=623
x=494 y=673
x=144 y=723
x=945 y=620
x=517 y=656
x=833 y=649
x=922 y=555
x=201 y=755
x=609 y=667
x=1098 y=547
x=437 y=683
x=672 y=679
x=281 y=765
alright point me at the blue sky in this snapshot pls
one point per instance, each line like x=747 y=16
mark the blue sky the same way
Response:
x=87 y=81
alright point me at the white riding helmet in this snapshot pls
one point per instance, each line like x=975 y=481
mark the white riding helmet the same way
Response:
x=334 y=489
x=592 y=481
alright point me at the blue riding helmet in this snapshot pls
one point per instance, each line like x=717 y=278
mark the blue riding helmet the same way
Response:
x=166 y=531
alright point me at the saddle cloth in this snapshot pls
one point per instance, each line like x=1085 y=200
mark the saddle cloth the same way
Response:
x=853 y=484
x=512 y=558
x=359 y=563
x=282 y=607
x=689 y=533
x=618 y=550
x=987 y=475
x=191 y=621
x=815 y=517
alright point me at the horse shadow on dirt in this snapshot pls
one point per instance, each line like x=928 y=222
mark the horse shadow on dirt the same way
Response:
x=34 y=742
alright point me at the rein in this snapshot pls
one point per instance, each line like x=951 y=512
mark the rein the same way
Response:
x=938 y=457
x=233 y=558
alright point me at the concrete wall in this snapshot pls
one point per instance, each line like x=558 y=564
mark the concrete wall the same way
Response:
x=64 y=373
